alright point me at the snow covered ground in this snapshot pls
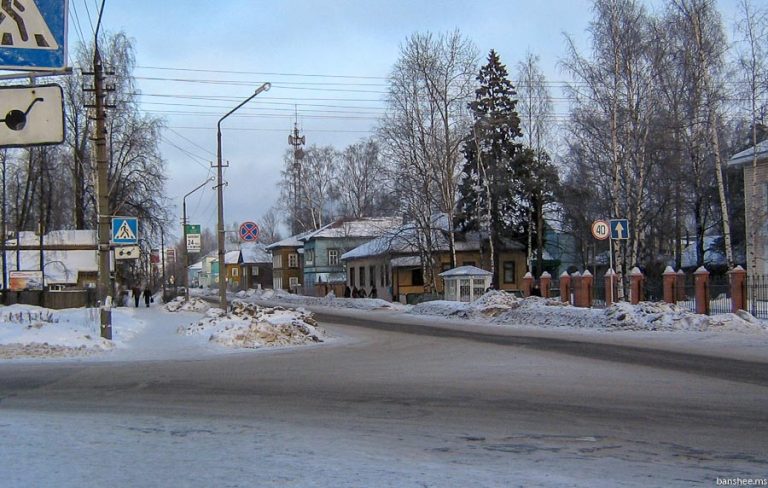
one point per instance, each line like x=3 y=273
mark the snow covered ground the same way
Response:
x=177 y=329
x=34 y=332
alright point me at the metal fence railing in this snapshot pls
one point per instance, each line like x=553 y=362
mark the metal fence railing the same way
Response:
x=757 y=296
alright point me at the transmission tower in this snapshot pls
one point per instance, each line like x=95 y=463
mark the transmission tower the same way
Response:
x=297 y=141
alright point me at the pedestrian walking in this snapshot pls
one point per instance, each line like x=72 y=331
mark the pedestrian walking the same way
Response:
x=136 y=291
x=147 y=295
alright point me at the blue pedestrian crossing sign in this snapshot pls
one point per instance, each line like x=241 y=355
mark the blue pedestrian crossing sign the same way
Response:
x=33 y=34
x=125 y=230
x=619 y=229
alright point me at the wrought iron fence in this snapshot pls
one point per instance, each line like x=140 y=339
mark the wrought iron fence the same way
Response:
x=757 y=296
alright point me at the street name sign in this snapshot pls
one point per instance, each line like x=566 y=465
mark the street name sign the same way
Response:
x=125 y=230
x=33 y=35
x=619 y=229
x=31 y=115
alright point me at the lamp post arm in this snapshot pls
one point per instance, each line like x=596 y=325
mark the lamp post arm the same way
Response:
x=184 y=223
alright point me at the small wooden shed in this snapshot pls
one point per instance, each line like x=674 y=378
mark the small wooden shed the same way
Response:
x=465 y=283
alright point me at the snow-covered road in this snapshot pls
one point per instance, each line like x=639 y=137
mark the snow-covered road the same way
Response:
x=369 y=408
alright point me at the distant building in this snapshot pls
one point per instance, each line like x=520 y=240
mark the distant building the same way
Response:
x=287 y=263
x=745 y=159
x=323 y=269
x=255 y=266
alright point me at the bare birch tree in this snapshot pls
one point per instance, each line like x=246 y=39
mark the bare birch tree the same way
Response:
x=425 y=125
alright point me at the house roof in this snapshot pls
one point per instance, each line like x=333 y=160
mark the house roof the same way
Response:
x=255 y=253
x=745 y=157
x=368 y=227
x=293 y=241
x=404 y=240
x=61 y=266
x=465 y=271
x=232 y=257
x=195 y=267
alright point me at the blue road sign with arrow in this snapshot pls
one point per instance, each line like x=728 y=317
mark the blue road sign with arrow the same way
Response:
x=619 y=229
x=33 y=34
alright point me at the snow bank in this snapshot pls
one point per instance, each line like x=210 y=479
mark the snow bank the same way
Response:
x=330 y=300
x=252 y=326
x=505 y=309
x=29 y=331
x=192 y=305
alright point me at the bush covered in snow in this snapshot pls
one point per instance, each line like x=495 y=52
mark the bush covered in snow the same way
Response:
x=252 y=326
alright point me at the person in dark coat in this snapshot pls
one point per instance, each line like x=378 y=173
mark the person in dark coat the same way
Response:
x=374 y=293
x=347 y=292
x=136 y=291
x=147 y=295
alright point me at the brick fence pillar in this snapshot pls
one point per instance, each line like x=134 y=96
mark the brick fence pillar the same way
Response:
x=670 y=285
x=610 y=287
x=636 y=288
x=681 y=297
x=565 y=287
x=527 y=284
x=702 y=290
x=738 y=289
x=576 y=284
x=586 y=289
x=545 y=280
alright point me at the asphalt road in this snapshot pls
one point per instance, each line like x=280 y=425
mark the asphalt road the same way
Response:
x=450 y=406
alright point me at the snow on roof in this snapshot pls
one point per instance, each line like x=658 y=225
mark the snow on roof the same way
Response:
x=197 y=266
x=406 y=262
x=293 y=241
x=255 y=253
x=465 y=271
x=746 y=156
x=232 y=257
x=368 y=227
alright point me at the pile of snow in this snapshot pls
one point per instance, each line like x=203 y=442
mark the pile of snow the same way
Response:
x=505 y=309
x=668 y=317
x=252 y=326
x=191 y=305
x=31 y=331
x=330 y=300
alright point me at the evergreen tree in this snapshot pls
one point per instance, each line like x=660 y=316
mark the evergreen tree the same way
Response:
x=492 y=197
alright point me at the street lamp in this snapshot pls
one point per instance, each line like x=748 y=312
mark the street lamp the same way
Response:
x=220 y=188
x=184 y=223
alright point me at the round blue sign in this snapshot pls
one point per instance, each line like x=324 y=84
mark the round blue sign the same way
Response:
x=249 y=231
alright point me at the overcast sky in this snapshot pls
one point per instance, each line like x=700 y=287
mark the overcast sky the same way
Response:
x=198 y=59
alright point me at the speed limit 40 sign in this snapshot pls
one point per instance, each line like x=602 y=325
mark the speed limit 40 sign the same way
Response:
x=601 y=230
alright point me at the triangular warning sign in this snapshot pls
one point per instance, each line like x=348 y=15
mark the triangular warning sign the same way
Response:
x=124 y=233
x=23 y=26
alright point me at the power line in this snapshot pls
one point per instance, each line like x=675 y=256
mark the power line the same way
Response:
x=263 y=73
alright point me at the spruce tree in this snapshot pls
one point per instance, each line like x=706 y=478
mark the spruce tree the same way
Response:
x=492 y=198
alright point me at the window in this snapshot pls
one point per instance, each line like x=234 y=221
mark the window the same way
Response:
x=293 y=282
x=351 y=276
x=381 y=276
x=333 y=257
x=235 y=271
x=293 y=260
x=309 y=256
x=277 y=282
x=386 y=275
x=254 y=271
x=509 y=272
x=277 y=261
x=362 y=276
x=372 y=277
x=417 y=277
